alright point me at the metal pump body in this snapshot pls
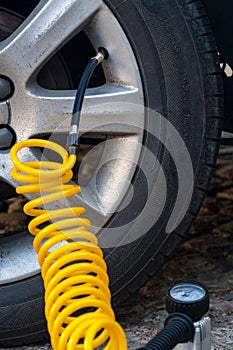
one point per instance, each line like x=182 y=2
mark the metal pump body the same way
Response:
x=202 y=338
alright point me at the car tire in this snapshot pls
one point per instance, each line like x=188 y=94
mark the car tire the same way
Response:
x=177 y=58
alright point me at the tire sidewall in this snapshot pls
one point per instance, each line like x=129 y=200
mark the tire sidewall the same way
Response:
x=167 y=48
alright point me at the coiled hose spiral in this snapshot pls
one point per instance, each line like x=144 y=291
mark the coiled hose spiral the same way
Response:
x=77 y=296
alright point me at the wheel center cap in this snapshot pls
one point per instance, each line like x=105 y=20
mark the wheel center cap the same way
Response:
x=4 y=113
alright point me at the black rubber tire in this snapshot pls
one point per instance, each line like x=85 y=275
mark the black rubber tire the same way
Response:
x=177 y=57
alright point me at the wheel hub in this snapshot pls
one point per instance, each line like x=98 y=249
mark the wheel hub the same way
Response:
x=9 y=22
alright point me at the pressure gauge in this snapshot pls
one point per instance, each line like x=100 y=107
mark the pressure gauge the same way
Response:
x=188 y=298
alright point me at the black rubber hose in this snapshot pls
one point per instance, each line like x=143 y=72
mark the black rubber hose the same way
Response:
x=86 y=76
x=178 y=329
x=73 y=138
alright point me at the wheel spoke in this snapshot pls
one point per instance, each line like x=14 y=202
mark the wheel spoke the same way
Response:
x=5 y=166
x=91 y=207
x=46 y=29
x=108 y=109
x=113 y=109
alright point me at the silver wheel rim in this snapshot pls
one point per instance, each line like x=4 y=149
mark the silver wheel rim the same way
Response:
x=107 y=109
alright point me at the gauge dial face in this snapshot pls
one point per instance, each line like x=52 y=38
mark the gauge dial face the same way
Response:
x=187 y=292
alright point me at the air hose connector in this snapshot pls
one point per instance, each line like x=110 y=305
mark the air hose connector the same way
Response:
x=179 y=328
x=73 y=140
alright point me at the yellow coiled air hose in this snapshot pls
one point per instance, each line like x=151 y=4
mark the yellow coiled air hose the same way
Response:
x=77 y=296
x=72 y=264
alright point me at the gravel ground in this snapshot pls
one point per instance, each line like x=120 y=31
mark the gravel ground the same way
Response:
x=206 y=256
